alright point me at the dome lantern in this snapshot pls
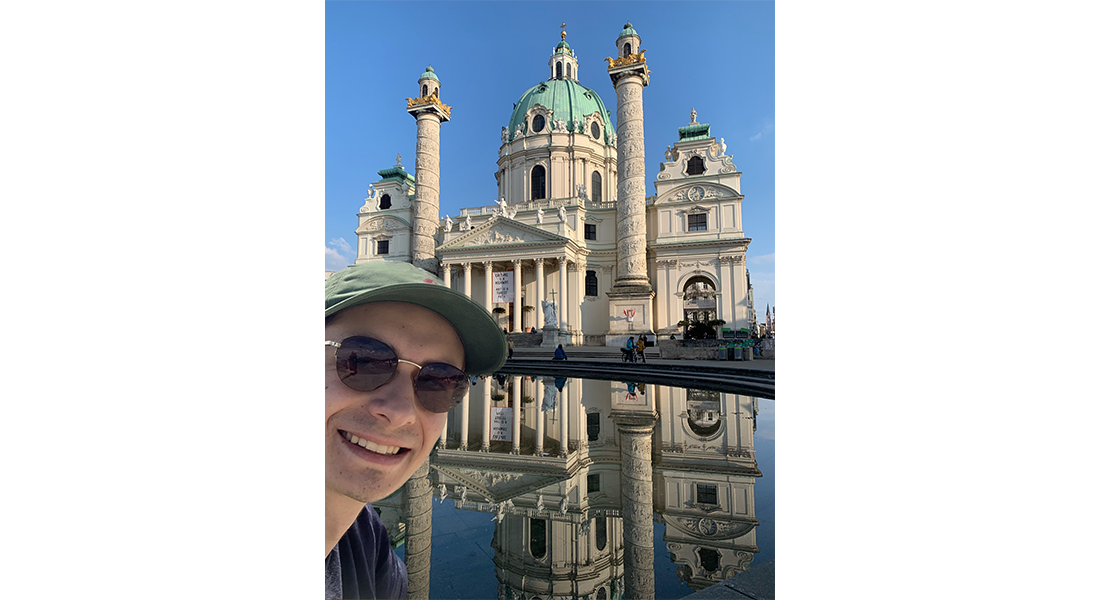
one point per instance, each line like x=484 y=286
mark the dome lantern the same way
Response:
x=563 y=62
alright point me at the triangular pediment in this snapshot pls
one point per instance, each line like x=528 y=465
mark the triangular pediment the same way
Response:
x=502 y=231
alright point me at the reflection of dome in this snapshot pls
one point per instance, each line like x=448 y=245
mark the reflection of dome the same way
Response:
x=567 y=99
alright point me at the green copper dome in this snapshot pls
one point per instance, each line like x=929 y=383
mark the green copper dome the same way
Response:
x=628 y=29
x=429 y=74
x=563 y=47
x=567 y=99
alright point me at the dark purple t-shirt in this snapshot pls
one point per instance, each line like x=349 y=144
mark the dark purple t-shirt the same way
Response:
x=362 y=565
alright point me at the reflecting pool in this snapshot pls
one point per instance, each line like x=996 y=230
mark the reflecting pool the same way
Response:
x=599 y=490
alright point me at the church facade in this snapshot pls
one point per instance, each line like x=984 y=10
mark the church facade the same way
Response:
x=573 y=247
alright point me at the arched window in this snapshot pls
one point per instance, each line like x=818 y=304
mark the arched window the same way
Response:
x=601 y=533
x=385 y=201
x=597 y=187
x=626 y=49
x=424 y=90
x=591 y=284
x=558 y=71
x=538 y=183
x=538 y=123
x=695 y=166
x=538 y=538
x=568 y=70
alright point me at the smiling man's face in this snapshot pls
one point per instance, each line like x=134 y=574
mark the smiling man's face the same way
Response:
x=390 y=416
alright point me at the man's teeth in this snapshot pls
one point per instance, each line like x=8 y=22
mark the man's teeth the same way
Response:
x=371 y=445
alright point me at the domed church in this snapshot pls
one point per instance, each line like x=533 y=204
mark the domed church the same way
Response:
x=573 y=247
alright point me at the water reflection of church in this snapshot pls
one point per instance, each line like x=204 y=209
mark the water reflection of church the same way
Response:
x=577 y=482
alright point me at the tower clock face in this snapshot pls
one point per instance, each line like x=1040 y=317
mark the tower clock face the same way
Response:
x=695 y=193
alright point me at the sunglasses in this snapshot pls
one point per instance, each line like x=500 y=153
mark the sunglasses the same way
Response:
x=365 y=364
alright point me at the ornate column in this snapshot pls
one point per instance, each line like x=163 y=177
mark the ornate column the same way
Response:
x=578 y=284
x=430 y=113
x=418 y=532
x=467 y=282
x=631 y=290
x=517 y=305
x=539 y=294
x=446 y=275
x=635 y=447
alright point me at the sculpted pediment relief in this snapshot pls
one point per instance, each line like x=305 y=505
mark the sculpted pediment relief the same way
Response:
x=499 y=231
x=383 y=224
x=496 y=486
x=698 y=192
x=709 y=528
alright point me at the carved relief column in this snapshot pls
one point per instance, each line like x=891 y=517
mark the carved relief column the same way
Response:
x=430 y=113
x=632 y=293
x=539 y=294
x=517 y=305
x=630 y=75
x=635 y=447
x=468 y=281
x=418 y=532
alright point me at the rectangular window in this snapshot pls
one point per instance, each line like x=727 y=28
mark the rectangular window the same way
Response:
x=591 y=284
x=593 y=426
x=697 y=222
x=383 y=246
x=706 y=494
x=593 y=483
x=589 y=232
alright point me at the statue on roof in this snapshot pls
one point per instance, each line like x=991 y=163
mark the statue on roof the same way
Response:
x=668 y=152
x=504 y=135
x=467 y=224
x=538 y=216
x=721 y=146
x=398 y=165
x=561 y=213
x=449 y=224
x=503 y=206
x=693 y=115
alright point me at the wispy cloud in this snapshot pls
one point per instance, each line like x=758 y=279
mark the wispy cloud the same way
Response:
x=338 y=254
x=767 y=128
x=763 y=259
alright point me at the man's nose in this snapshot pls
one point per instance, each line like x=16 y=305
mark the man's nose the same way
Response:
x=395 y=402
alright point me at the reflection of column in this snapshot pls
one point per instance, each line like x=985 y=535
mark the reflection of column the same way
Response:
x=465 y=422
x=636 y=435
x=467 y=279
x=442 y=442
x=418 y=532
x=581 y=420
x=516 y=411
x=517 y=306
x=539 y=295
x=486 y=413
x=564 y=401
x=539 y=419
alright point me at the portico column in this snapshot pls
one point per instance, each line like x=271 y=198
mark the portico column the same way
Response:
x=446 y=275
x=517 y=305
x=489 y=286
x=539 y=294
x=467 y=282
x=563 y=295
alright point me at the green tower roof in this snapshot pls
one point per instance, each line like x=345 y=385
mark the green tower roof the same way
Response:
x=628 y=29
x=429 y=73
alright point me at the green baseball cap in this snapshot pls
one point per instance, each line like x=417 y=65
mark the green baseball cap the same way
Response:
x=482 y=339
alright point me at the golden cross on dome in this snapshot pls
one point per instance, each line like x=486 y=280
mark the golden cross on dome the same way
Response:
x=563 y=30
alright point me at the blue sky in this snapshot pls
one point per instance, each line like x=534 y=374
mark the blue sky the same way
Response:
x=717 y=57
